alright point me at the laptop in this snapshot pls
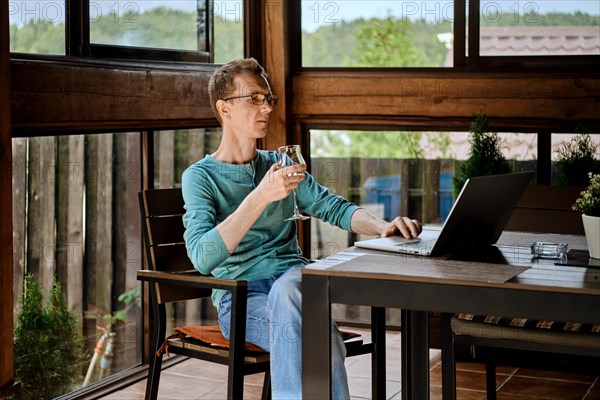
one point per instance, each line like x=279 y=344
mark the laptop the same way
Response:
x=476 y=220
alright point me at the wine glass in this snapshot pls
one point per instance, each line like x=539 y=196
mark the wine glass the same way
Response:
x=291 y=155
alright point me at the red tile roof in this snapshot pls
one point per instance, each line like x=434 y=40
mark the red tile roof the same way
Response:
x=547 y=40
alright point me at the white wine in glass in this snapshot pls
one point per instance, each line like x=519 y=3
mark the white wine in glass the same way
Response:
x=291 y=155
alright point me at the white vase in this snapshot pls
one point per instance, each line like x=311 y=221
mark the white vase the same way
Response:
x=591 y=226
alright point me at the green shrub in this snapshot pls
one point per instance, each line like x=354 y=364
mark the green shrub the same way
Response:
x=50 y=351
x=485 y=156
x=576 y=159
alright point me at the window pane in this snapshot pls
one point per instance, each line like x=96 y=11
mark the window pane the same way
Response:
x=350 y=33
x=398 y=173
x=76 y=217
x=540 y=28
x=161 y=24
x=37 y=26
x=174 y=151
x=229 y=30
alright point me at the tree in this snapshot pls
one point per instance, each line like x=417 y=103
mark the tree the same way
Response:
x=386 y=43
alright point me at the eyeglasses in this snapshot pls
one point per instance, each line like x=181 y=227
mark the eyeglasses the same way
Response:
x=257 y=98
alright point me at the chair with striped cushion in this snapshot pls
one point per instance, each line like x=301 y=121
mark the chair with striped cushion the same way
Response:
x=494 y=332
x=545 y=209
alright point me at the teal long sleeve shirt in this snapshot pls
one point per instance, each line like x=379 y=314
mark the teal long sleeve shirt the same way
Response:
x=213 y=190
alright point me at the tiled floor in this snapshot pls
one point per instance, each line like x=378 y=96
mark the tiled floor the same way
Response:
x=193 y=379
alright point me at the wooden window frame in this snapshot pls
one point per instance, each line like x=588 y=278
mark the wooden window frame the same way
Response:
x=77 y=39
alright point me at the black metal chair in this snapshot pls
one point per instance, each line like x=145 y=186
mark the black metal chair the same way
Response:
x=172 y=277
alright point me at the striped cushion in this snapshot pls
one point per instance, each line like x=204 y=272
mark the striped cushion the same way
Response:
x=531 y=323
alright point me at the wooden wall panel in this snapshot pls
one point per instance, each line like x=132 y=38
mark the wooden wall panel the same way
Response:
x=52 y=96
x=277 y=66
x=448 y=96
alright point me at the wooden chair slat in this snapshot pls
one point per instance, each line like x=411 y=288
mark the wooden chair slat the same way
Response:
x=163 y=202
x=171 y=258
x=165 y=230
x=169 y=293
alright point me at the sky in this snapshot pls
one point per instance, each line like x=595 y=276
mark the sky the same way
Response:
x=319 y=13
x=314 y=13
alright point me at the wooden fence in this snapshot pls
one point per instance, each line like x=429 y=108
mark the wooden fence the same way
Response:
x=75 y=217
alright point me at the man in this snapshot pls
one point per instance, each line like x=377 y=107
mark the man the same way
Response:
x=237 y=200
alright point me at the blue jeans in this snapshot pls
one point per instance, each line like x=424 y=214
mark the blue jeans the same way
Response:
x=274 y=323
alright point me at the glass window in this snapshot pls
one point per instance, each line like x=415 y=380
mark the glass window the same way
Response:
x=76 y=218
x=177 y=25
x=540 y=28
x=397 y=173
x=228 y=30
x=350 y=33
x=37 y=26
x=174 y=151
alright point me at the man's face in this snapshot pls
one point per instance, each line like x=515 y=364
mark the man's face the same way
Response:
x=247 y=120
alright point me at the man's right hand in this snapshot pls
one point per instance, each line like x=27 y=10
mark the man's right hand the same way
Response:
x=279 y=181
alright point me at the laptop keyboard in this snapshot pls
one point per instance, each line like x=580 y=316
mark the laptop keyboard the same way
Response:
x=417 y=245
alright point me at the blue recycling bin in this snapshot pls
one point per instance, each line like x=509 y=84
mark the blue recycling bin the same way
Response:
x=385 y=190
x=446 y=194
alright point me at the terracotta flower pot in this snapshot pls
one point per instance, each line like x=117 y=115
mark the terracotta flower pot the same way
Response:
x=591 y=225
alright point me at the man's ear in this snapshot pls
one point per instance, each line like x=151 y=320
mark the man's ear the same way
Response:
x=222 y=108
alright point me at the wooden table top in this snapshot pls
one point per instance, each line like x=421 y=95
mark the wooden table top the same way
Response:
x=511 y=266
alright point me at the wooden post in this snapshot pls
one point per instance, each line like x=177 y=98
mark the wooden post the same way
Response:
x=19 y=198
x=277 y=65
x=431 y=192
x=7 y=384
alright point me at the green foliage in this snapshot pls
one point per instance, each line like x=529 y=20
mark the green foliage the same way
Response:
x=386 y=43
x=49 y=350
x=536 y=19
x=369 y=144
x=485 y=155
x=38 y=37
x=130 y=298
x=589 y=201
x=330 y=45
x=576 y=159
x=229 y=43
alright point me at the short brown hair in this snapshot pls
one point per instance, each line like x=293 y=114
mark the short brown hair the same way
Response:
x=220 y=84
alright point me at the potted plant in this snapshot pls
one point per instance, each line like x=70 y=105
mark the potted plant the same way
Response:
x=588 y=204
x=485 y=156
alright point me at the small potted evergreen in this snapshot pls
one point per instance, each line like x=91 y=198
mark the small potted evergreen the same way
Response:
x=485 y=156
